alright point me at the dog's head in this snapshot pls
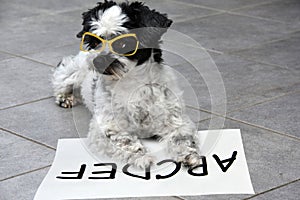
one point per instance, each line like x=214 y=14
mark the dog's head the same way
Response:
x=121 y=34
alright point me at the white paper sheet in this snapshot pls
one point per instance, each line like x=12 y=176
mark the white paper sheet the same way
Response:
x=71 y=154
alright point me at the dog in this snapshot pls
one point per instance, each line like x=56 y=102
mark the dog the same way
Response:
x=123 y=81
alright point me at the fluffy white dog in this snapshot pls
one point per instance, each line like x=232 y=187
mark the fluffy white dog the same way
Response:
x=124 y=83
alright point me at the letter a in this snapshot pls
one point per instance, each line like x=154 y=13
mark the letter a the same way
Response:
x=229 y=160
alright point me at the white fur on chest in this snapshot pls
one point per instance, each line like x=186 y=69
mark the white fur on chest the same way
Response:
x=140 y=101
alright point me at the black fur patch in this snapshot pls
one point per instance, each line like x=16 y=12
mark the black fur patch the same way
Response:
x=149 y=25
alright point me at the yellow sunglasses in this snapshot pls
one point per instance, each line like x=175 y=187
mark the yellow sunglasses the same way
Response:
x=125 y=45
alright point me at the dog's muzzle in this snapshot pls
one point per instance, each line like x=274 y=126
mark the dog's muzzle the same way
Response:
x=107 y=65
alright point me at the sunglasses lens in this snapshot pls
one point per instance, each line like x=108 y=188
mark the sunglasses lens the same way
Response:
x=90 y=43
x=125 y=45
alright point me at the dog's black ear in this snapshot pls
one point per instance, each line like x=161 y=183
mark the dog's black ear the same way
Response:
x=86 y=17
x=141 y=14
x=152 y=18
x=156 y=24
x=151 y=24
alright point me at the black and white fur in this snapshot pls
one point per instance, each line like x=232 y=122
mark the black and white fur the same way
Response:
x=144 y=101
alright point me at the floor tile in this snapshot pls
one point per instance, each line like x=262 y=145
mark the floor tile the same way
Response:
x=245 y=83
x=43 y=121
x=268 y=157
x=5 y=56
x=286 y=11
x=179 y=48
x=248 y=82
x=37 y=33
x=172 y=59
x=177 y=11
x=10 y=11
x=289 y=192
x=45 y=31
x=224 y=4
x=56 y=5
x=31 y=121
x=22 y=187
x=191 y=81
x=19 y=155
x=283 y=52
x=22 y=81
x=228 y=32
x=53 y=56
x=281 y=114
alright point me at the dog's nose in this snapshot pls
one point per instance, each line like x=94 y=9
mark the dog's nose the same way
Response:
x=101 y=62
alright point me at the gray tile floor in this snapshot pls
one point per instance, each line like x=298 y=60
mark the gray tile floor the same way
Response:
x=255 y=45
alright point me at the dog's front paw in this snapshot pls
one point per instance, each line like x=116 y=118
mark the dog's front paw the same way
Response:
x=192 y=160
x=144 y=161
x=65 y=101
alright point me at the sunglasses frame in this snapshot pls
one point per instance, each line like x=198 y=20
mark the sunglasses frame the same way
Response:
x=109 y=43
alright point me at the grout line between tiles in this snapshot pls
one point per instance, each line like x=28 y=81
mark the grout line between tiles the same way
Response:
x=26 y=58
x=232 y=11
x=247 y=123
x=213 y=115
x=264 y=101
x=26 y=138
x=260 y=62
x=62 y=46
x=265 y=128
x=7 y=53
x=272 y=189
x=248 y=106
x=197 y=5
x=255 y=17
x=33 y=60
x=220 y=11
x=234 y=52
x=21 y=174
x=206 y=111
x=253 y=5
x=203 y=120
x=285 y=37
x=193 y=46
x=29 y=102
x=27 y=55
x=41 y=11
x=199 y=17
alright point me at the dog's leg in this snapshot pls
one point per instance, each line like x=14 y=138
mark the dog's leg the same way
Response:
x=66 y=79
x=108 y=138
x=182 y=141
